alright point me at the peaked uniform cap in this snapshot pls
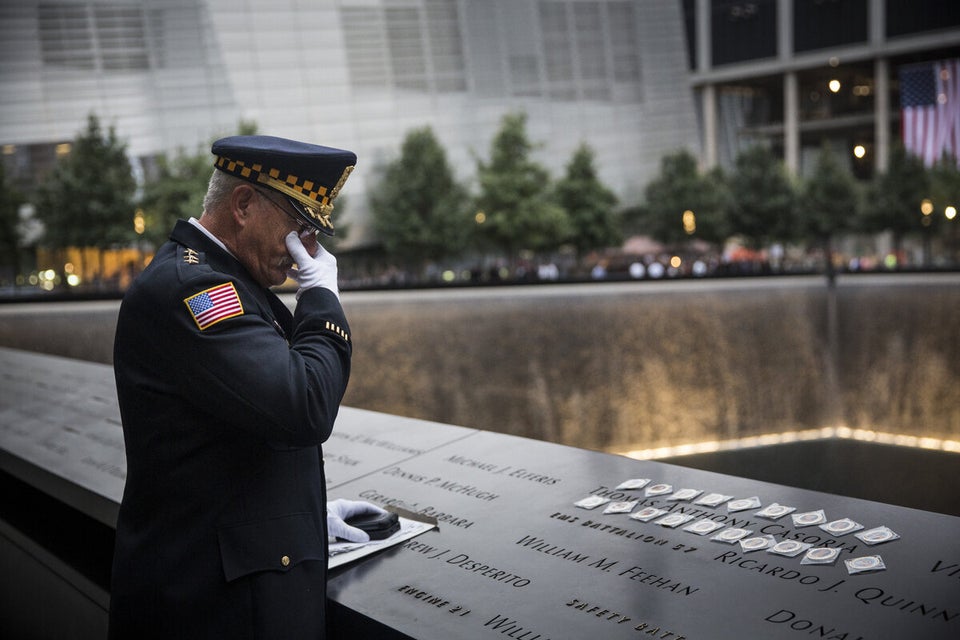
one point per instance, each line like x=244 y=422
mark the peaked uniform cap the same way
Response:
x=309 y=175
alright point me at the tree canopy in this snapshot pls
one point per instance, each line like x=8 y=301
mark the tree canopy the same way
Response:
x=176 y=189
x=896 y=196
x=762 y=207
x=589 y=204
x=515 y=203
x=830 y=198
x=175 y=192
x=829 y=204
x=944 y=192
x=87 y=201
x=682 y=203
x=10 y=201
x=420 y=211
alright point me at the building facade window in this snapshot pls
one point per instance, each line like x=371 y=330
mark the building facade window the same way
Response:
x=905 y=17
x=411 y=46
x=405 y=43
x=93 y=36
x=446 y=45
x=818 y=24
x=576 y=50
x=742 y=30
x=366 y=47
x=557 y=35
x=590 y=49
x=66 y=36
x=121 y=37
x=624 y=42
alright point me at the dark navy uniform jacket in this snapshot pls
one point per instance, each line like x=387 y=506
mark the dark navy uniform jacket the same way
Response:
x=222 y=527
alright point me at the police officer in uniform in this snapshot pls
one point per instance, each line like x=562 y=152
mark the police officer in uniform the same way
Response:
x=225 y=398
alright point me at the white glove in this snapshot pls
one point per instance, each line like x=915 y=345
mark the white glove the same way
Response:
x=340 y=510
x=312 y=271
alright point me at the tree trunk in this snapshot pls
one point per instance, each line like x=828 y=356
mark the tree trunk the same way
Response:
x=828 y=259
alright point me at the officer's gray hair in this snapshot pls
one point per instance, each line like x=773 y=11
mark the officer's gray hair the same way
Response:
x=219 y=190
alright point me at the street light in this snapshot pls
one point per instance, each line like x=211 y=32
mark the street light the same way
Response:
x=139 y=226
x=926 y=208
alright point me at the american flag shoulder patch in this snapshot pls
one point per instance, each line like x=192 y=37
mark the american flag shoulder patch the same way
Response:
x=214 y=304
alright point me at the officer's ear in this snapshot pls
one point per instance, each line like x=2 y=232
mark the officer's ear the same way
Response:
x=242 y=201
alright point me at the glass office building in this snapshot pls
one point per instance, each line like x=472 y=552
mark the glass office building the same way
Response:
x=793 y=73
x=358 y=74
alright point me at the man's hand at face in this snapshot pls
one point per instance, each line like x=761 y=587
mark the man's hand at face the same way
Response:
x=319 y=270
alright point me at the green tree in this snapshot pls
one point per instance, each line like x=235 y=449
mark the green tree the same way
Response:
x=177 y=187
x=829 y=204
x=633 y=219
x=10 y=201
x=517 y=210
x=247 y=127
x=87 y=201
x=896 y=196
x=174 y=192
x=711 y=207
x=589 y=204
x=678 y=192
x=944 y=192
x=762 y=198
x=421 y=213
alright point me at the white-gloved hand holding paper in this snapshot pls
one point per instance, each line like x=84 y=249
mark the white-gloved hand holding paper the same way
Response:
x=319 y=270
x=338 y=511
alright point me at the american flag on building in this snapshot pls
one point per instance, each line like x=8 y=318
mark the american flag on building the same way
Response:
x=930 y=109
x=214 y=304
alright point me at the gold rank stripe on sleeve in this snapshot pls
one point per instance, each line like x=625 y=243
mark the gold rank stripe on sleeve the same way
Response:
x=214 y=305
x=337 y=330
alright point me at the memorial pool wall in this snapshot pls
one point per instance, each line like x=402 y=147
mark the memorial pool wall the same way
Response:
x=629 y=366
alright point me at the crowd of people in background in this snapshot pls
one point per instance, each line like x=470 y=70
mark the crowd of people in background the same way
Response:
x=619 y=265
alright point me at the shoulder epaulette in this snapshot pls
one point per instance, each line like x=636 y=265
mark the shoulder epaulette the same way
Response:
x=190 y=256
x=190 y=263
